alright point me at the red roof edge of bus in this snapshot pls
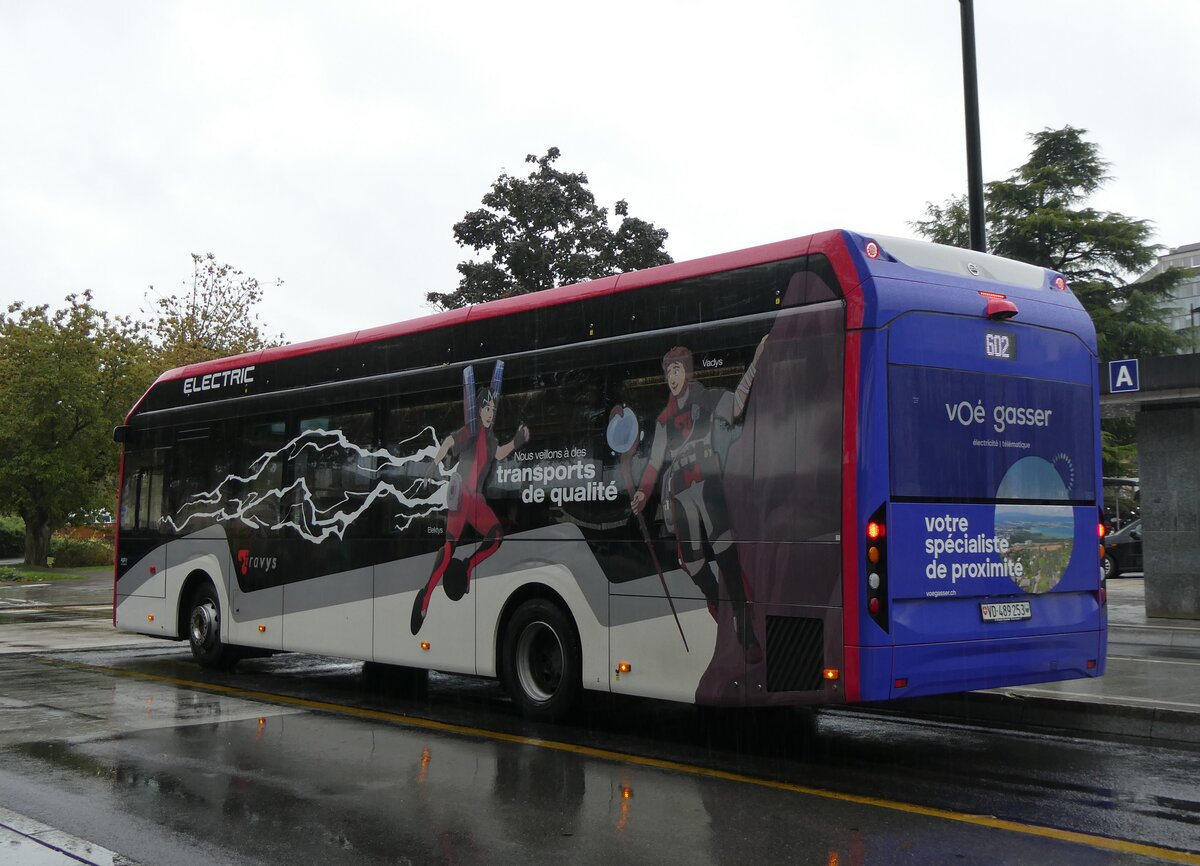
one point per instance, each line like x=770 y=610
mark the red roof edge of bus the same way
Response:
x=835 y=246
x=830 y=242
x=759 y=255
x=292 y=350
x=412 y=326
x=546 y=298
x=214 y=366
x=649 y=277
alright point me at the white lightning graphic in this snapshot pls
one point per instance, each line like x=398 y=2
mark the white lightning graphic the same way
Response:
x=293 y=507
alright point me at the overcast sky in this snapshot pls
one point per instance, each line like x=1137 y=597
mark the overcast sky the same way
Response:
x=335 y=145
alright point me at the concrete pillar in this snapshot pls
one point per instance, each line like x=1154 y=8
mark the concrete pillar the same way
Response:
x=1169 y=467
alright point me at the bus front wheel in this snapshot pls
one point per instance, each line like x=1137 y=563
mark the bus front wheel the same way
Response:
x=542 y=661
x=204 y=631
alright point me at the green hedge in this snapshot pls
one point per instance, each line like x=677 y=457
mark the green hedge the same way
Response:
x=80 y=552
x=12 y=537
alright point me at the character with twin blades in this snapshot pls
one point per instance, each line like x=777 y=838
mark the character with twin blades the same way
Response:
x=693 y=491
x=477 y=449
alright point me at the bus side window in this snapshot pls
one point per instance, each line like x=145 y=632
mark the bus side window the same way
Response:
x=200 y=467
x=559 y=475
x=141 y=500
x=337 y=468
x=414 y=427
x=262 y=466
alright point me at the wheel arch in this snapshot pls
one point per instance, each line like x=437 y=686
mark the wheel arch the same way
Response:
x=518 y=597
x=196 y=578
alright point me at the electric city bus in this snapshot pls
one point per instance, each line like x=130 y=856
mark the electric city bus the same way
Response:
x=838 y=468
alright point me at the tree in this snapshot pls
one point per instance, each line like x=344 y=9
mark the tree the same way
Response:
x=66 y=379
x=212 y=318
x=543 y=231
x=1038 y=215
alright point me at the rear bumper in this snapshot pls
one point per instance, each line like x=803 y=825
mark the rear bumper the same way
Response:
x=959 y=666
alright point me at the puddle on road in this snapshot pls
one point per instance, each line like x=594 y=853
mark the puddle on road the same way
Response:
x=60 y=614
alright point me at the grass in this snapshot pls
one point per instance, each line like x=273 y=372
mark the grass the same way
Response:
x=36 y=574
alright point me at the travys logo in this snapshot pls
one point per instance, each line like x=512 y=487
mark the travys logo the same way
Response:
x=246 y=562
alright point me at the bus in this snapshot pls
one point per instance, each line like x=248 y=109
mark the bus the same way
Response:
x=835 y=469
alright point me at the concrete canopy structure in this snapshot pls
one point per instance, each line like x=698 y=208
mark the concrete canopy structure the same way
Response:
x=1167 y=404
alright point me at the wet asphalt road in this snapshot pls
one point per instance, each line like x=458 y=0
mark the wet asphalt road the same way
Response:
x=297 y=759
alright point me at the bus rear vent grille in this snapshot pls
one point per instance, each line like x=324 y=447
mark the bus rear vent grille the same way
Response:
x=795 y=653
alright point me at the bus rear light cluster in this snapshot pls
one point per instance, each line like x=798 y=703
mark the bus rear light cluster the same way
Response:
x=876 y=559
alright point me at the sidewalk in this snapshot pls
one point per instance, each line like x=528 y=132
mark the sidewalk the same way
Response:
x=1150 y=688
x=62 y=615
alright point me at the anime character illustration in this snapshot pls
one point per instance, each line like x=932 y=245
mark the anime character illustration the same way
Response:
x=693 y=491
x=477 y=449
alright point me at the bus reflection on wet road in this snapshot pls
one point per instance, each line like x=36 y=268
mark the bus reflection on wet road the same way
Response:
x=113 y=747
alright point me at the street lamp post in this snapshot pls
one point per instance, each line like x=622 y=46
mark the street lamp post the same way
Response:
x=971 y=98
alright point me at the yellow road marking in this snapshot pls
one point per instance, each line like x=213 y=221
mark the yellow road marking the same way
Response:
x=1105 y=843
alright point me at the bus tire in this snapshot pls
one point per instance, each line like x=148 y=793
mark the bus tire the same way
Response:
x=204 y=630
x=542 y=661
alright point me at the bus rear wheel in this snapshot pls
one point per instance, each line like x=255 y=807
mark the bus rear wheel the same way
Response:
x=542 y=661
x=204 y=631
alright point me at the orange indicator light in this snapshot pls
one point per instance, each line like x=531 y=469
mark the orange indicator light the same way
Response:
x=624 y=667
x=149 y=617
x=425 y=645
x=873 y=554
x=626 y=793
x=261 y=629
x=832 y=674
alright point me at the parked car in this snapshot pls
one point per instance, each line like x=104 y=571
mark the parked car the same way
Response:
x=1123 y=550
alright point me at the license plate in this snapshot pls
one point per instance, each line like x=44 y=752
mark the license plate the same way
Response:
x=1005 y=611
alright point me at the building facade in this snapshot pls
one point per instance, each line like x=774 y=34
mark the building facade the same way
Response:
x=1184 y=304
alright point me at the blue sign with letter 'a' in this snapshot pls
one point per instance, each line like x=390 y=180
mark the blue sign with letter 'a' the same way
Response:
x=1123 y=376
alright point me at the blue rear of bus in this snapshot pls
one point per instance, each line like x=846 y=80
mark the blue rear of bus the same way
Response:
x=978 y=470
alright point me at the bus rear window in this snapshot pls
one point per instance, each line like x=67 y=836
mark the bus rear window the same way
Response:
x=966 y=436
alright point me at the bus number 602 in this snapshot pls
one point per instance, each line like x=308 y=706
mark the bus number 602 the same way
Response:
x=999 y=346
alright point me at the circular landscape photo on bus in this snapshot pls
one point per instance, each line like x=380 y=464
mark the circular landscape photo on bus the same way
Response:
x=1040 y=537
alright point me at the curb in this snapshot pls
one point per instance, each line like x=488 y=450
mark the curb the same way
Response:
x=1007 y=709
x=1173 y=637
x=45 y=844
